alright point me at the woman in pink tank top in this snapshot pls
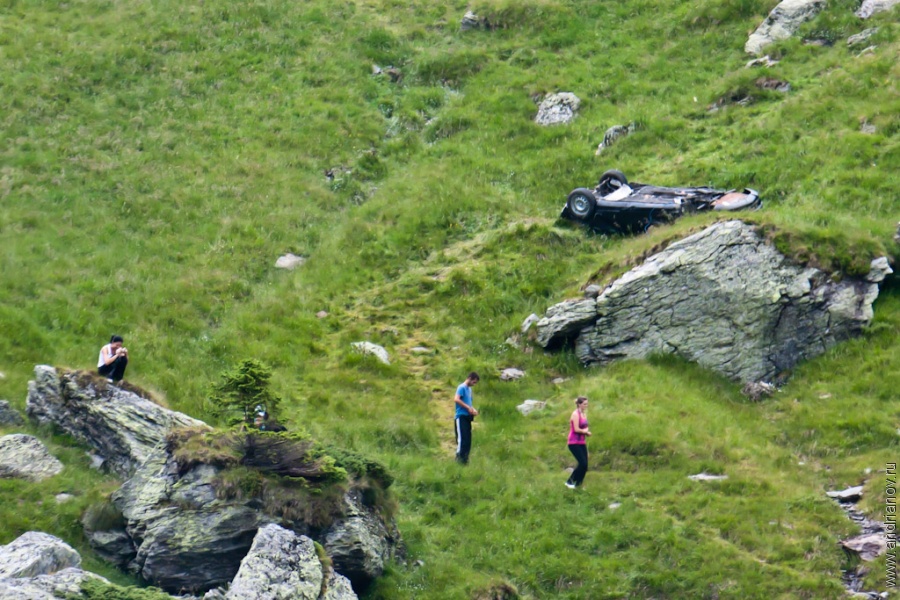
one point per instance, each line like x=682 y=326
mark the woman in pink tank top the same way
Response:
x=578 y=432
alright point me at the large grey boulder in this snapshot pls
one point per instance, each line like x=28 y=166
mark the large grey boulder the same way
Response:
x=784 y=20
x=557 y=109
x=871 y=7
x=36 y=553
x=25 y=457
x=724 y=298
x=121 y=426
x=9 y=415
x=282 y=565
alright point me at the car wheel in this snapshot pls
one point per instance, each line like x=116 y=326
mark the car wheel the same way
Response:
x=581 y=204
x=611 y=181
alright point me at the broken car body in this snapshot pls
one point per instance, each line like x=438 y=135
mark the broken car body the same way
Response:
x=615 y=206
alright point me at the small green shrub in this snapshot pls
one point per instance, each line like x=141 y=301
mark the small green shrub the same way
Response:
x=243 y=392
x=103 y=516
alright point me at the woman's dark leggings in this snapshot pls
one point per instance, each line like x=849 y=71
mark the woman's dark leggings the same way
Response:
x=114 y=370
x=579 y=451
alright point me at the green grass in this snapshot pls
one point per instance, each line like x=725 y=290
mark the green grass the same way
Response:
x=156 y=159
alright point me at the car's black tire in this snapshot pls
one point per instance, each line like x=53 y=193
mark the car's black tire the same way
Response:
x=581 y=204
x=611 y=181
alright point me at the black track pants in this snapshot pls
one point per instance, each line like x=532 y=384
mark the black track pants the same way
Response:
x=579 y=451
x=463 y=438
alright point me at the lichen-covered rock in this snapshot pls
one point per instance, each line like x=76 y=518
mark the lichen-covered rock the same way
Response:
x=784 y=20
x=46 y=587
x=361 y=543
x=25 y=457
x=557 y=109
x=724 y=298
x=337 y=587
x=36 y=553
x=9 y=415
x=871 y=7
x=183 y=536
x=121 y=426
x=280 y=565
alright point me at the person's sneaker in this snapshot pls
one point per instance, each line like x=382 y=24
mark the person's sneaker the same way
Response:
x=570 y=485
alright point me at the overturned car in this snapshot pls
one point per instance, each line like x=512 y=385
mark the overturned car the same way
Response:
x=615 y=206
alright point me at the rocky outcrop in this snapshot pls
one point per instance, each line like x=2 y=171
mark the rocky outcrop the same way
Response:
x=557 y=109
x=184 y=528
x=871 y=7
x=121 y=426
x=9 y=415
x=724 y=298
x=784 y=20
x=25 y=457
x=282 y=565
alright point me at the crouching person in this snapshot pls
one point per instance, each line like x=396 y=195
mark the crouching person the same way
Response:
x=113 y=359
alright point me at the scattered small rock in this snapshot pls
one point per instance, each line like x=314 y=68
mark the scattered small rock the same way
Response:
x=289 y=261
x=559 y=380
x=862 y=36
x=557 y=109
x=865 y=51
x=613 y=135
x=819 y=42
x=97 y=461
x=511 y=374
x=421 y=350
x=871 y=7
x=25 y=457
x=2 y=375
x=614 y=505
x=592 y=291
x=376 y=70
x=757 y=390
x=763 y=61
x=770 y=83
x=9 y=415
x=529 y=406
x=869 y=546
x=866 y=127
x=472 y=21
x=321 y=314
x=824 y=396
x=375 y=350
x=63 y=498
x=707 y=477
x=529 y=321
x=851 y=494
x=784 y=20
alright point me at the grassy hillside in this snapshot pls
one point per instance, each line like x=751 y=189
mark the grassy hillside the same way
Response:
x=157 y=158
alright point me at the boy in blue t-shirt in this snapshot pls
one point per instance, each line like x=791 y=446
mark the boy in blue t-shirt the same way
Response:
x=465 y=413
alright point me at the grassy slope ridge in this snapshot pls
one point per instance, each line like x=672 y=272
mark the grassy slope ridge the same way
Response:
x=156 y=158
